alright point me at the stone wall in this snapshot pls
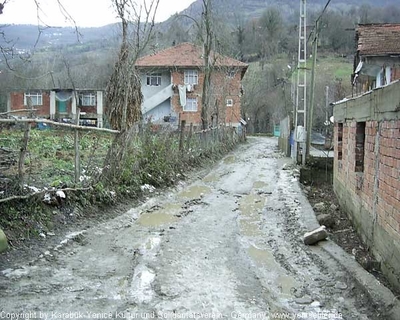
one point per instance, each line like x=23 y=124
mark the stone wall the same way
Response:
x=367 y=171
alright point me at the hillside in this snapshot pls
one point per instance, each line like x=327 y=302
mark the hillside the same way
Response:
x=254 y=8
x=24 y=37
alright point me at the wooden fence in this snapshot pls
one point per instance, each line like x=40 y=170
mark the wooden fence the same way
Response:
x=37 y=155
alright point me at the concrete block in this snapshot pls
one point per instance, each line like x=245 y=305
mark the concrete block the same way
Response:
x=315 y=236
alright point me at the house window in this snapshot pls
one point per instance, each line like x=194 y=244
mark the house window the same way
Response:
x=87 y=99
x=360 y=146
x=231 y=73
x=191 y=105
x=340 y=141
x=229 y=102
x=153 y=79
x=191 y=77
x=36 y=98
x=384 y=77
x=388 y=75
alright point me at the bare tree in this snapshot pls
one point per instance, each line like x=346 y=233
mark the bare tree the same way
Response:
x=123 y=94
x=207 y=45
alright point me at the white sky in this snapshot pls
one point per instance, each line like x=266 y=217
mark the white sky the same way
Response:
x=86 y=13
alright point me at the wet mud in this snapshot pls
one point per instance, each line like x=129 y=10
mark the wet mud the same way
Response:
x=228 y=244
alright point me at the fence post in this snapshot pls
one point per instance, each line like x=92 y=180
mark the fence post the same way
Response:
x=77 y=161
x=183 y=123
x=189 y=138
x=24 y=148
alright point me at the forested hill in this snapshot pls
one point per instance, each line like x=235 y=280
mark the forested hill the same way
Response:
x=253 y=8
x=25 y=36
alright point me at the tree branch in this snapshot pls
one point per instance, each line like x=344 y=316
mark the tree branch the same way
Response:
x=39 y=193
x=59 y=124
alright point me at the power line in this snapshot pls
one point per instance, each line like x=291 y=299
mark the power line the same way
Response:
x=312 y=89
x=323 y=11
x=319 y=18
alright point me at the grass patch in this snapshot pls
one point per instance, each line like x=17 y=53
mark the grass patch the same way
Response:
x=50 y=159
x=151 y=159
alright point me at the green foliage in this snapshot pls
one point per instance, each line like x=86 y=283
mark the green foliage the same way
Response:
x=25 y=218
x=50 y=160
x=159 y=163
x=151 y=158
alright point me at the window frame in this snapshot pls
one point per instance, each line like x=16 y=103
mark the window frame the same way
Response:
x=88 y=95
x=194 y=105
x=154 y=76
x=229 y=102
x=33 y=95
x=340 y=140
x=191 y=74
x=359 y=147
x=231 y=73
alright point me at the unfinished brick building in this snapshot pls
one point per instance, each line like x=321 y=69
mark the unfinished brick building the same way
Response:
x=367 y=170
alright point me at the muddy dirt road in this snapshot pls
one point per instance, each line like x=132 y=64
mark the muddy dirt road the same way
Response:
x=226 y=245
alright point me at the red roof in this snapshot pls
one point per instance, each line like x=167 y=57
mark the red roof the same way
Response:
x=379 y=39
x=185 y=55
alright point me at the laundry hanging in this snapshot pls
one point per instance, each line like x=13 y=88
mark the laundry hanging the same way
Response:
x=182 y=95
x=63 y=95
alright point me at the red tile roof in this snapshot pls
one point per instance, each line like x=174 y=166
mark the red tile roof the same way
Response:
x=378 y=39
x=185 y=55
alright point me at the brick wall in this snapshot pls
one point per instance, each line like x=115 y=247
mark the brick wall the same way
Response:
x=17 y=103
x=223 y=88
x=395 y=74
x=367 y=171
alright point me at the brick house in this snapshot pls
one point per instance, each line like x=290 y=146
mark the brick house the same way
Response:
x=377 y=60
x=59 y=104
x=367 y=170
x=172 y=86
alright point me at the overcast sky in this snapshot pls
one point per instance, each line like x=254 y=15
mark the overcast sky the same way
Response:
x=86 y=13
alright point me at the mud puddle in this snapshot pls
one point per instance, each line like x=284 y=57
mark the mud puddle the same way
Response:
x=259 y=184
x=251 y=207
x=164 y=215
x=210 y=178
x=194 y=192
x=251 y=204
x=230 y=159
x=265 y=259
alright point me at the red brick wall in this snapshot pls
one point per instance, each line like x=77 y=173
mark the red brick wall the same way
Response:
x=17 y=103
x=371 y=197
x=88 y=109
x=377 y=188
x=395 y=74
x=222 y=88
x=389 y=177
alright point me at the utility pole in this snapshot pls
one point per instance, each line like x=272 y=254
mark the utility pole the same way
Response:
x=326 y=110
x=301 y=93
x=312 y=89
x=312 y=92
